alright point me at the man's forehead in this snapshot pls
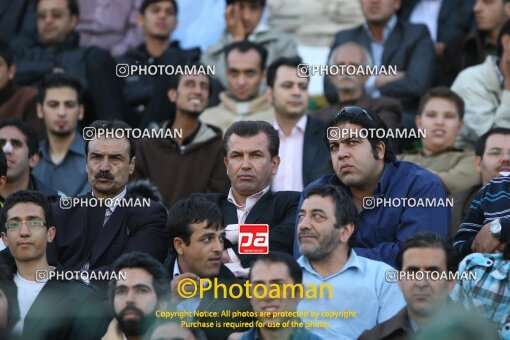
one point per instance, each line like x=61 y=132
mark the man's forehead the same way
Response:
x=24 y=209
x=52 y=4
x=205 y=227
x=316 y=202
x=251 y=143
x=134 y=276
x=60 y=94
x=286 y=73
x=270 y=271
x=109 y=146
x=243 y=60
x=201 y=78
x=12 y=132
x=424 y=256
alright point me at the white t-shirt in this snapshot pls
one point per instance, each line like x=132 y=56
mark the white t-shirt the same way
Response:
x=27 y=293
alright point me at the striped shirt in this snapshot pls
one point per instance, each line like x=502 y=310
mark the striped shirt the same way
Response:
x=491 y=202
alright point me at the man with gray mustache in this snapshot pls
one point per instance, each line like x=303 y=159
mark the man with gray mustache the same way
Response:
x=92 y=236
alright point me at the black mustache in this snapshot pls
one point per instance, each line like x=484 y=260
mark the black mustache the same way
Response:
x=104 y=174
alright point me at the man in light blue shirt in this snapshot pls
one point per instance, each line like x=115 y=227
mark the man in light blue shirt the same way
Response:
x=360 y=291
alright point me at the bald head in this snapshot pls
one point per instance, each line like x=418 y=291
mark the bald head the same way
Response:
x=349 y=54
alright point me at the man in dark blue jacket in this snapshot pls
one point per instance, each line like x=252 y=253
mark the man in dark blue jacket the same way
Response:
x=396 y=199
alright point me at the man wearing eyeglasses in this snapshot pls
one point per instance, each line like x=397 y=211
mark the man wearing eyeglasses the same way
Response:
x=380 y=186
x=49 y=307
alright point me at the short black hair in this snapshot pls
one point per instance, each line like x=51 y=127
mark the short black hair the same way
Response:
x=345 y=210
x=185 y=212
x=27 y=196
x=442 y=92
x=110 y=126
x=482 y=140
x=3 y=163
x=6 y=53
x=505 y=30
x=73 y=6
x=136 y=259
x=250 y=128
x=262 y=3
x=147 y=3
x=144 y=188
x=32 y=139
x=293 y=62
x=428 y=239
x=295 y=271
x=59 y=80
x=359 y=116
x=245 y=46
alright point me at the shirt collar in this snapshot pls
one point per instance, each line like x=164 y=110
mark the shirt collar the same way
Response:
x=352 y=262
x=300 y=125
x=116 y=200
x=177 y=272
x=255 y=196
x=390 y=25
x=499 y=74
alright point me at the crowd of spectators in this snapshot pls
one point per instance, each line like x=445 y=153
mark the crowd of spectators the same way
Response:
x=395 y=194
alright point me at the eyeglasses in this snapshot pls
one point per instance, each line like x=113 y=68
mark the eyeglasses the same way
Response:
x=32 y=224
x=354 y=110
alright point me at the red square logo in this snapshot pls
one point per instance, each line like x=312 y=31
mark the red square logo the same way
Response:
x=253 y=239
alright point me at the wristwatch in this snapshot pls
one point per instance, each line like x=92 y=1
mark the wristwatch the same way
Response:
x=495 y=228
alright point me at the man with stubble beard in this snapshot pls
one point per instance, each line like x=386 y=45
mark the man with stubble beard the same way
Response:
x=60 y=105
x=190 y=162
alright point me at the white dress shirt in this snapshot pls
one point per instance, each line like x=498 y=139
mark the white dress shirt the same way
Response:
x=427 y=12
x=233 y=229
x=290 y=172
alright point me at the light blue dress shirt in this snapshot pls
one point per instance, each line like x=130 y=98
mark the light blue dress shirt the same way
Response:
x=360 y=287
x=377 y=50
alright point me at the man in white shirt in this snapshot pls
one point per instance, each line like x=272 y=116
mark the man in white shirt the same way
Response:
x=303 y=155
x=47 y=305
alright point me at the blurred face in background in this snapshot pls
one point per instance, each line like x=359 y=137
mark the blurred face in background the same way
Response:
x=54 y=21
x=61 y=111
x=442 y=123
x=159 y=20
x=244 y=74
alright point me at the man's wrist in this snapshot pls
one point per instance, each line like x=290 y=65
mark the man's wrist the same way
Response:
x=505 y=229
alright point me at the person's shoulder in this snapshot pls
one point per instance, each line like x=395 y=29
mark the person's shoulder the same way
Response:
x=475 y=72
x=411 y=169
x=346 y=33
x=286 y=195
